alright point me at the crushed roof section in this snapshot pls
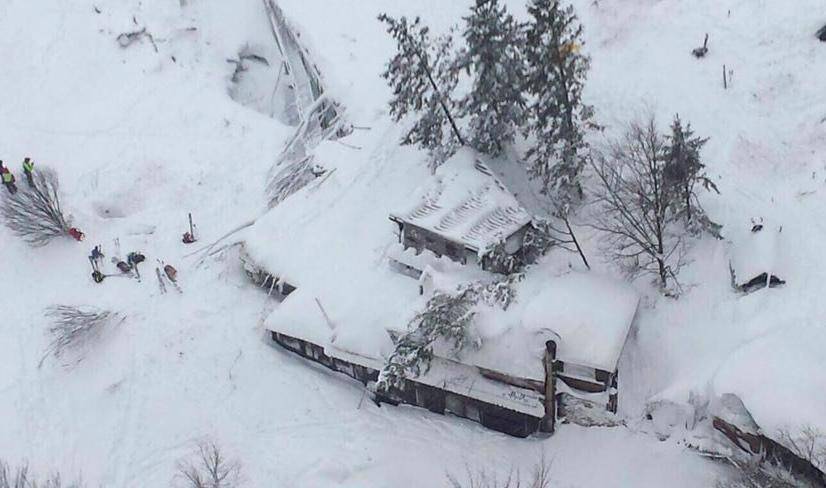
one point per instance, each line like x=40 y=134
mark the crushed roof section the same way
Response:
x=467 y=204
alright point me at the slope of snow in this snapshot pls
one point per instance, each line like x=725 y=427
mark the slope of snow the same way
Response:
x=140 y=139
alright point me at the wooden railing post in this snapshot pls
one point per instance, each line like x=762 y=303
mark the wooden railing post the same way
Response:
x=612 y=389
x=549 y=421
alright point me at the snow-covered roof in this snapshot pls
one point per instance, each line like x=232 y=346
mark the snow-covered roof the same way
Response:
x=756 y=252
x=588 y=314
x=356 y=325
x=779 y=376
x=465 y=203
x=345 y=268
x=591 y=313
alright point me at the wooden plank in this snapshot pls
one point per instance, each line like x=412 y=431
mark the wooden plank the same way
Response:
x=549 y=421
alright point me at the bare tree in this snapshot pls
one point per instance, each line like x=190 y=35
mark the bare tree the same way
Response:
x=562 y=235
x=73 y=327
x=14 y=478
x=540 y=477
x=34 y=213
x=209 y=468
x=635 y=210
x=20 y=477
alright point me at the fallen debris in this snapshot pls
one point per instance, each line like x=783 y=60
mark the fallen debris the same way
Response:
x=161 y=284
x=244 y=55
x=73 y=327
x=189 y=237
x=755 y=262
x=126 y=39
x=701 y=51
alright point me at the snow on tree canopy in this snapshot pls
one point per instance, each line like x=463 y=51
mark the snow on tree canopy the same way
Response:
x=466 y=204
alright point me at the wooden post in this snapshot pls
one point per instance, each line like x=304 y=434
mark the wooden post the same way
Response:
x=725 y=83
x=191 y=229
x=549 y=421
x=613 y=393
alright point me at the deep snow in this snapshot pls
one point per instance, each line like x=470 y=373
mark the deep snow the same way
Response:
x=139 y=140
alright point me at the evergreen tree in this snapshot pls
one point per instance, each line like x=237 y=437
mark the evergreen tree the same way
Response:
x=558 y=118
x=446 y=317
x=423 y=74
x=496 y=103
x=683 y=170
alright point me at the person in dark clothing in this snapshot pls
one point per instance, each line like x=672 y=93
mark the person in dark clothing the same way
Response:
x=96 y=257
x=97 y=276
x=133 y=259
x=28 y=170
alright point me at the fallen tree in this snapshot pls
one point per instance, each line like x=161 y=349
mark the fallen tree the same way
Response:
x=34 y=213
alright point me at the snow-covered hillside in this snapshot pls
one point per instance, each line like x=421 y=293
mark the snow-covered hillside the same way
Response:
x=140 y=137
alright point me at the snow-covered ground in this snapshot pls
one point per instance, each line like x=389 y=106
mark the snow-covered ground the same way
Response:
x=140 y=138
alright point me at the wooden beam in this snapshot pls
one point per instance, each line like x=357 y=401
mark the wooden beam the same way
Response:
x=549 y=421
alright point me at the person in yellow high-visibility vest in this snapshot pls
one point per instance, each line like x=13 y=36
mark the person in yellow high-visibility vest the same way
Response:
x=28 y=170
x=8 y=179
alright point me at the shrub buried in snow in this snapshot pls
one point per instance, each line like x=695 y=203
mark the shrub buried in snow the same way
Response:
x=34 y=213
x=209 y=468
x=74 y=326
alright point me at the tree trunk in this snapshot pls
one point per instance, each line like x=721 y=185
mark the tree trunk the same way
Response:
x=576 y=242
x=442 y=102
x=663 y=273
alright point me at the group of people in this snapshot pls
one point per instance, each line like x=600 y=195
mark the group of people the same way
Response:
x=131 y=264
x=8 y=177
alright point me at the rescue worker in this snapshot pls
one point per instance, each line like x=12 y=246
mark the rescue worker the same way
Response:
x=28 y=170
x=97 y=276
x=133 y=259
x=8 y=179
x=123 y=267
x=171 y=272
x=96 y=257
x=76 y=234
